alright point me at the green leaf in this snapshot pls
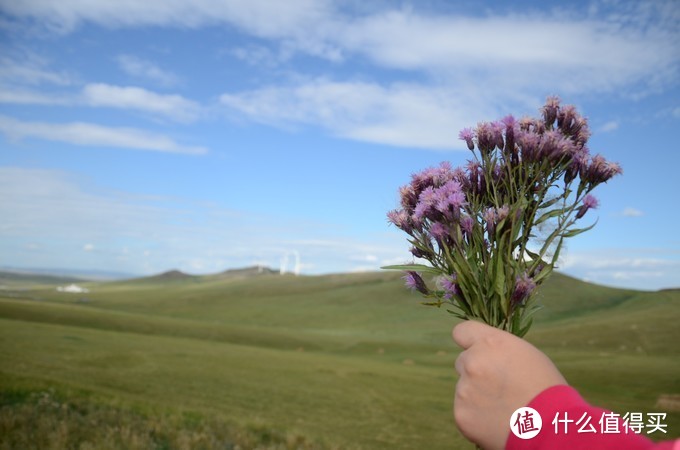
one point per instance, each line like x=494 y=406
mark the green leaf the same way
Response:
x=522 y=331
x=547 y=269
x=499 y=282
x=549 y=215
x=549 y=203
x=577 y=231
x=533 y=255
x=457 y=314
x=414 y=268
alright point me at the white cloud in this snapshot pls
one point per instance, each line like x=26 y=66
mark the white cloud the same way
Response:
x=88 y=134
x=257 y=55
x=138 y=233
x=174 y=107
x=101 y=95
x=609 y=126
x=635 y=268
x=400 y=114
x=262 y=17
x=519 y=50
x=28 y=68
x=631 y=212
x=461 y=68
x=573 y=50
x=28 y=97
x=139 y=67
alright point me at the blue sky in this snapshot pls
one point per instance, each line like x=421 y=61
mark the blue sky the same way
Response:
x=204 y=135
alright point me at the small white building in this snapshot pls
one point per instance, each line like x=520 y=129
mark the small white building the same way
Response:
x=73 y=289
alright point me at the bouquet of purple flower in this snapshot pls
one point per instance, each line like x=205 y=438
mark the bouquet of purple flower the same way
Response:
x=492 y=231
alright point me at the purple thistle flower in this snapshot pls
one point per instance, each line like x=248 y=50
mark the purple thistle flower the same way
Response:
x=489 y=217
x=588 y=202
x=509 y=149
x=442 y=174
x=467 y=135
x=439 y=232
x=548 y=146
x=550 y=109
x=418 y=253
x=467 y=223
x=526 y=123
x=498 y=128
x=431 y=177
x=509 y=121
x=417 y=222
x=450 y=198
x=524 y=286
x=502 y=213
x=486 y=137
x=414 y=281
x=528 y=142
x=401 y=220
x=579 y=163
x=448 y=284
x=409 y=199
x=600 y=170
x=426 y=202
x=583 y=133
x=566 y=118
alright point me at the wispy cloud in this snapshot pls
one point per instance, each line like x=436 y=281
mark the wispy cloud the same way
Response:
x=631 y=212
x=101 y=95
x=605 y=50
x=174 y=107
x=647 y=268
x=460 y=66
x=28 y=68
x=21 y=96
x=400 y=114
x=93 y=135
x=262 y=17
x=52 y=211
x=609 y=126
x=142 y=68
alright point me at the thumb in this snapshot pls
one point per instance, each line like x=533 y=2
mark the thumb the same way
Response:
x=465 y=334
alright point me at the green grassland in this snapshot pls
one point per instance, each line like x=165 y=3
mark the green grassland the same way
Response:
x=281 y=362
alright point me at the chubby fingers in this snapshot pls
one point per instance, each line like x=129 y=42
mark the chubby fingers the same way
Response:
x=465 y=334
x=459 y=365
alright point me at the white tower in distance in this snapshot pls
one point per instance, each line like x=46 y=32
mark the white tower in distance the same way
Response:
x=284 y=264
x=296 y=270
x=286 y=258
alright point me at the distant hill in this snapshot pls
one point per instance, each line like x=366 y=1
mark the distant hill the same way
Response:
x=75 y=274
x=247 y=272
x=176 y=276
x=14 y=279
x=171 y=275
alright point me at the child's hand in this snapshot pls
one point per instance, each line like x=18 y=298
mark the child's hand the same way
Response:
x=499 y=373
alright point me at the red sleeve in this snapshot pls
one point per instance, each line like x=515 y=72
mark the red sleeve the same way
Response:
x=587 y=427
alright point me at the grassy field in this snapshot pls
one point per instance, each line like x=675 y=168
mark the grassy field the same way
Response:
x=269 y=361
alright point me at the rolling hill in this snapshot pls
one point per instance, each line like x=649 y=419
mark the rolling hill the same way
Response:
x=255 y=359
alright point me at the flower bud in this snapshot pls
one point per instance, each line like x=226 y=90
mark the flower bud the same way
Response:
x=415 y=282
x=588 y=202
x=524 y=286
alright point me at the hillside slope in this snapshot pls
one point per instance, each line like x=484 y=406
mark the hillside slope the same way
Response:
x=335 y=361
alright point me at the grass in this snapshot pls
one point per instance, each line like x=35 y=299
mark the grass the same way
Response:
x=338 y=361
